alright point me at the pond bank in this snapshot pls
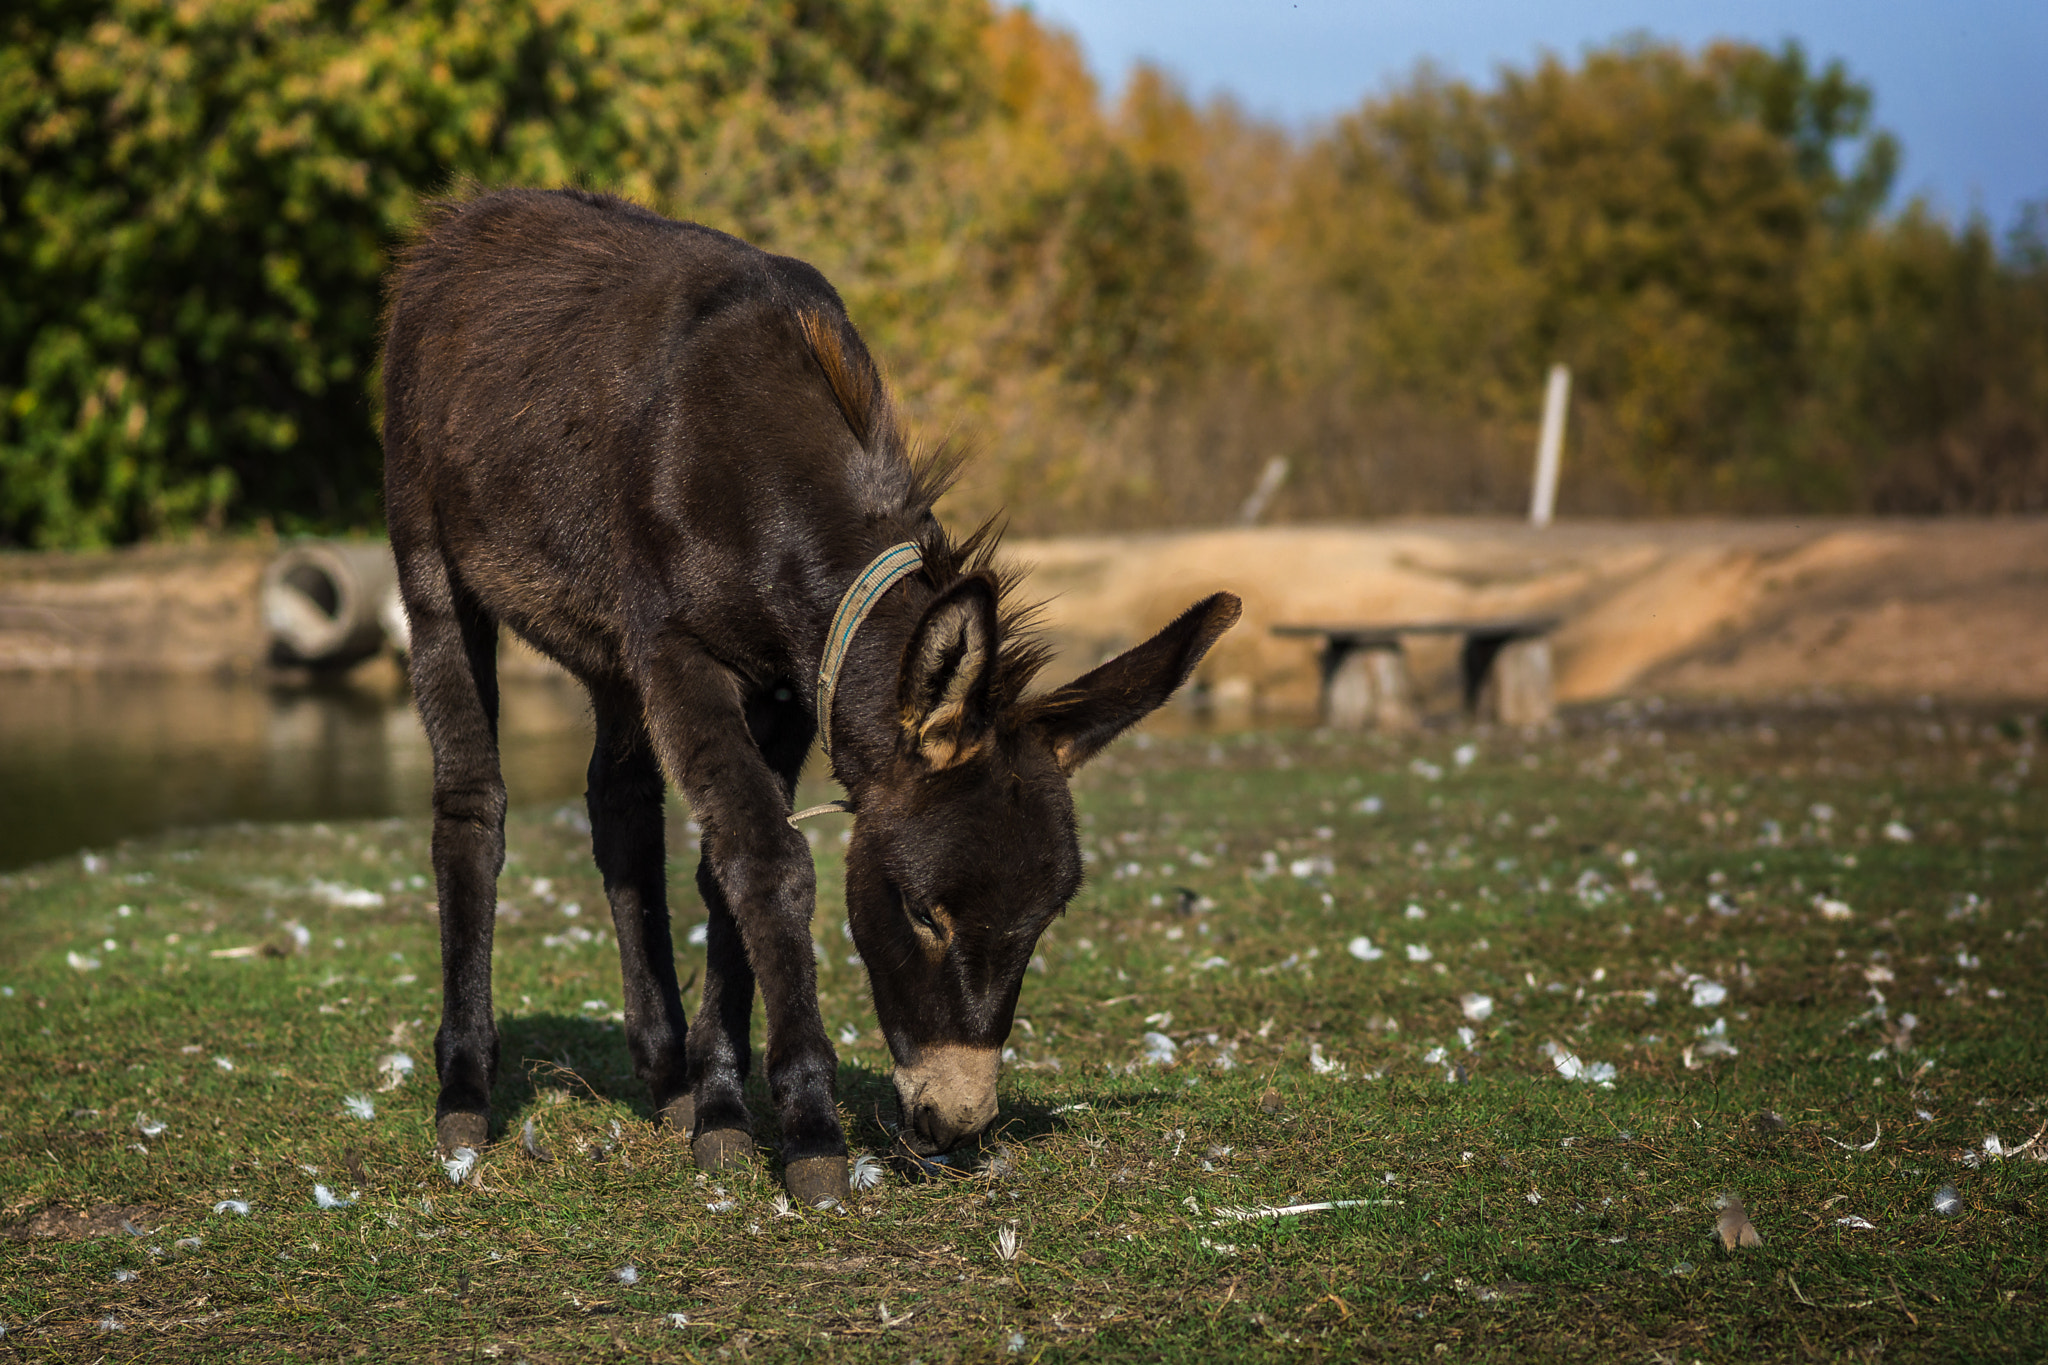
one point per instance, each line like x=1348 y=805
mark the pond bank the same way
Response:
x=1747 y=610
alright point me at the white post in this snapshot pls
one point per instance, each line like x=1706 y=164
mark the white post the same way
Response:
x=1269 y=483
x=1549 y=446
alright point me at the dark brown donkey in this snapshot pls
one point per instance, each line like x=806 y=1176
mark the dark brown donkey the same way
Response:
x=663 y=457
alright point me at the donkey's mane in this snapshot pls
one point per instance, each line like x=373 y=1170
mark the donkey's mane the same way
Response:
x=899 y=481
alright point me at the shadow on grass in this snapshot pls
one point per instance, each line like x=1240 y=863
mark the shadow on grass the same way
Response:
x=869 y=1097
x=546 y=1052
x=586 y=1057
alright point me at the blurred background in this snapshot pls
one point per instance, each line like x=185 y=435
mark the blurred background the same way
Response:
x=1168 y=269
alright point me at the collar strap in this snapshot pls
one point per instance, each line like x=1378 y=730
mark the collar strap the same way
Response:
x=829 y=808
x=883 y=572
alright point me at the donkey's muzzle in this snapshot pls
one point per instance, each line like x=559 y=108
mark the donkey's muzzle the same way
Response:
x=948 y=1095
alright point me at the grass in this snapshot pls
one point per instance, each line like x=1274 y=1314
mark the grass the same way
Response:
x=1601 y=885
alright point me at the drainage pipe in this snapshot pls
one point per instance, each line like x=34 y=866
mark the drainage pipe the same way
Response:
x=325 y=603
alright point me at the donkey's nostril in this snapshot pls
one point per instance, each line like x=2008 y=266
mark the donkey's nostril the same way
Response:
x=945 y=1131
x=947 y=1123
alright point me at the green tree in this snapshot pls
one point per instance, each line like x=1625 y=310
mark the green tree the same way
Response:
x=198 y=202
x=1929 y=355
x=1823 y=117
x=1670 y=231
x=1653 y=217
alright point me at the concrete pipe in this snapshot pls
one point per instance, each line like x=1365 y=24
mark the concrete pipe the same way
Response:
x=323 y=602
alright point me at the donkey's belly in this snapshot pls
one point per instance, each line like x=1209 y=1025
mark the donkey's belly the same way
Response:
x=575 y=620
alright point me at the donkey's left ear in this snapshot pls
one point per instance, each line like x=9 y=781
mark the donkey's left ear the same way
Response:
x=943 y=690
x=1081 y=718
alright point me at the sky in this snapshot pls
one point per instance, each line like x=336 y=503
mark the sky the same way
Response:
x=1963 y=84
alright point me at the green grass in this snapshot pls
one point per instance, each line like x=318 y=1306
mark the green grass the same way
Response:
x=1587 y=881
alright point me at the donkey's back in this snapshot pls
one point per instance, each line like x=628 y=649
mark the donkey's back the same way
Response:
x=582 y=395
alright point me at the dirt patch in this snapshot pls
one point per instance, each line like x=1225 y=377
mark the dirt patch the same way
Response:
x=62 y=1223
x=1753 y=610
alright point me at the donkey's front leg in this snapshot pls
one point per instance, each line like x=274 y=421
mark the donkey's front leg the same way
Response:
x=765 y=878
x=759 y=885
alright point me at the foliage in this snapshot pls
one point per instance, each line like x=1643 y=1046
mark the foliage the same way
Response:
x=1130 y=305
x=1929 y=359
x=1600 y=887
x=1697 y=236
x=200 y=200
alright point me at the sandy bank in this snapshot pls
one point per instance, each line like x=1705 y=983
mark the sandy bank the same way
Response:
x=1731 y=609
x=1737 y=609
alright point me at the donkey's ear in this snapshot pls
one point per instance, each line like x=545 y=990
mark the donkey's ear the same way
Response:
x=1085 y=715
x=943 y=693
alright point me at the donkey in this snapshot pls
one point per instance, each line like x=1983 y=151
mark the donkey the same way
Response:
x=665 y=458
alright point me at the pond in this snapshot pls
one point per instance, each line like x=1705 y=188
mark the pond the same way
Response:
x=88 y=761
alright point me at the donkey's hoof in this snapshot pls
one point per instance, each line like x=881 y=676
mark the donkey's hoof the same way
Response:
x=679 y=1115
x=816 y=1182
x=723 y=1149
x=462 y=1130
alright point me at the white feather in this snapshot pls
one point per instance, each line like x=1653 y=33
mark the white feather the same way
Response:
x=392 y=1071
x=1160 y=1050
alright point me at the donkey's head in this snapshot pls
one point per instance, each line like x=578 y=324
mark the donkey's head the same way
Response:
x=965 y=848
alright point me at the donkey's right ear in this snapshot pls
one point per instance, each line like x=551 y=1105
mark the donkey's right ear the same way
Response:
x=943 y=691
x=1081 y=718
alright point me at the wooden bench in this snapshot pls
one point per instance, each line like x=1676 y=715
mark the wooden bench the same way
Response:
x=1503 y=668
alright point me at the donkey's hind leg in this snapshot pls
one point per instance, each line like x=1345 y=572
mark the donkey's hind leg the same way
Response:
x=454 y=670
x=625 y=800
x=720 y=1055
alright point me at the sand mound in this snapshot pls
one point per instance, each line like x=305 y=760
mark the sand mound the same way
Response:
x=1747 y=610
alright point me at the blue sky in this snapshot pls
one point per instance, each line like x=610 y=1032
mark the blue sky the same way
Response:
x=1963 y=84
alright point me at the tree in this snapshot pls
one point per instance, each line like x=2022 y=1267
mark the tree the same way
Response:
x=200 y=201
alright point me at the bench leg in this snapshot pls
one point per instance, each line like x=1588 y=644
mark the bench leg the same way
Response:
x=1516 y=687
x=1368 y=687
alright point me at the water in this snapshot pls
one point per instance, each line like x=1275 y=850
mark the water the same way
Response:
x=88 y=761
x=85 y=762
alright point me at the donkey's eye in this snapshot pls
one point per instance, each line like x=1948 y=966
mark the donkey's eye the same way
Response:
x=918 y=915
